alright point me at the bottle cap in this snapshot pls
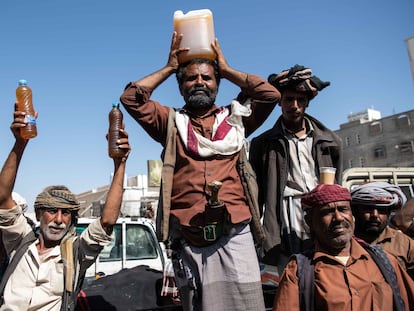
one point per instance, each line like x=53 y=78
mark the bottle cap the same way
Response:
x=22 y=82
x=115 y=104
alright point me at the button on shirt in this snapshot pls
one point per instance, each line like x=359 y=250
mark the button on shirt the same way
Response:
x=300 y=180
x=358 y=286
x=301 y=173
x=400 y=245
x=38 y=284
x=191 y=174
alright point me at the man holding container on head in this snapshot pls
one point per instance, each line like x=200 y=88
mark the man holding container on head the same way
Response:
x=287 y=159
x=211 y=234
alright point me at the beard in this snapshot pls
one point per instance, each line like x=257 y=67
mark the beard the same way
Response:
x=334 y=240
x=200 y=98
x=374 y=227
x=53 y=232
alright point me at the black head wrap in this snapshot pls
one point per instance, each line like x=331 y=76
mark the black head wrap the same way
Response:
x=298 y=78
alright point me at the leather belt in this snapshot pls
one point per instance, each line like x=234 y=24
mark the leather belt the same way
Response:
x=203 y=236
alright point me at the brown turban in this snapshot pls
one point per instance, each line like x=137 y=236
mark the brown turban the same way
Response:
x=298 y=78
x=57 y=197
x=323 y=194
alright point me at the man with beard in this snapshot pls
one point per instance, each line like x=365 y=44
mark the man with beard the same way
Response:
x=345 y=274
x=46 y=271
x=286 y=159
x=215 y=263
x=372 y=203
x=403 y=219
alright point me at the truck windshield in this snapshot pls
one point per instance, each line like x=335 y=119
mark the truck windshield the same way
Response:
x=139 y=243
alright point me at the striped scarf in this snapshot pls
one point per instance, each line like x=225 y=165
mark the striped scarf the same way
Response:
x=228 y=131
x=57 y=198
x=379 y=194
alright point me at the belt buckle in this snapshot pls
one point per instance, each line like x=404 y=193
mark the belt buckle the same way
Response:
x=209 y=232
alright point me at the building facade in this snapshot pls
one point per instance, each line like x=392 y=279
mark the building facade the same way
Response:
x=372 y=141
x=137 y=199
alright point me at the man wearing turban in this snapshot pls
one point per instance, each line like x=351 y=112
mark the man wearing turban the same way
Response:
x=345 y=272
x=286 y=159
x=46 y=270
x=372 y=203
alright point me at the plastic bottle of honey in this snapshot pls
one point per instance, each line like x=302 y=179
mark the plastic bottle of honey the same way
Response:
x=115 y=124
x=25 y=103
x=198 y=33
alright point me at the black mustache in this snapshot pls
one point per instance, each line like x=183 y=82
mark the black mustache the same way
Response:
x=292 y=110
x=344 y=224
x=198 y=89
x=371 y=222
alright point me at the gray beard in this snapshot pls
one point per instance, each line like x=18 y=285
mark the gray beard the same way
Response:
x=200 y=101
x=48 y=235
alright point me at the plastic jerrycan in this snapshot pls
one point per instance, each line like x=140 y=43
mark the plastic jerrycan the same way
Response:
x=198 y=33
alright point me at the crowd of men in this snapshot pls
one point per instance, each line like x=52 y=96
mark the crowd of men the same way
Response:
x=335 y=248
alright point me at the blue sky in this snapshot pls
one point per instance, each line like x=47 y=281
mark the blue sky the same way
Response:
x=78 y=55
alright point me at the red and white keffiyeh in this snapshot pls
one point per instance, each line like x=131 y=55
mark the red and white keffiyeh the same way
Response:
x=228 y=131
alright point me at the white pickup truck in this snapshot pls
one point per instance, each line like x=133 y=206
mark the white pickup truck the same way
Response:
x=400 y=176
x=135 y=243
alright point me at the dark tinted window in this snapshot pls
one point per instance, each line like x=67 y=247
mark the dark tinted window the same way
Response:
x=140 y=243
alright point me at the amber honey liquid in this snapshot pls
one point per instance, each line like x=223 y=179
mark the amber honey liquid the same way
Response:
x=25 y=103
x=198 y=34
x=115 y=124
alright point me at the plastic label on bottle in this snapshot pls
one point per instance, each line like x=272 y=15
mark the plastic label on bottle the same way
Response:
x=30 y=119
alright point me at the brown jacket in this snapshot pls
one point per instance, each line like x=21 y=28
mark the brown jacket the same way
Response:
x=358 y=286
x=400 y=245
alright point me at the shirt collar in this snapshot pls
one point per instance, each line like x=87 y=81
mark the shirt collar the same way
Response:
x=212 y=111
x=357 y=252
x=308 y=125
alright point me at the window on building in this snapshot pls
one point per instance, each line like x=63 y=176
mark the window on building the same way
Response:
x=403 y=121
x=406 y=147
x=375 y=128
x=358 y=139
x=361 y=162
x=347 y=143
x=379 y=152
x=350 y=164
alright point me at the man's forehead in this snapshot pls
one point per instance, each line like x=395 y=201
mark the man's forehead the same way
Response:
x=336 y=204
x=293 y=93
x=199 y=67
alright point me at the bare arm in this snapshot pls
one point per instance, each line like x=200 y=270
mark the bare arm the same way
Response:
x=155 y=79
x=10 y=167
x=235 y=76
x=113 y=202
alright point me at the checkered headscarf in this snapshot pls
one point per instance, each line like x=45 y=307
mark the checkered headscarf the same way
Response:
x=323 y=194
x=57 y=197
x=299 y=79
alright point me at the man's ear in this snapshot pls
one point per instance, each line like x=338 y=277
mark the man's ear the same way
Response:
x=37 y=211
